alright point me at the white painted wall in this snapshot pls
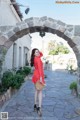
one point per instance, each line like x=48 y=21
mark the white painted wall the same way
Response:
x=25 y=41
x=8 y=59
x=9 y=17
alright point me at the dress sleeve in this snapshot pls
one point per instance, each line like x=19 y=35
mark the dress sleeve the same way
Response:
x=39 y=67
x=41 y=54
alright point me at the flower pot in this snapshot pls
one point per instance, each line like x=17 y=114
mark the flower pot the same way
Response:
x=74 y=92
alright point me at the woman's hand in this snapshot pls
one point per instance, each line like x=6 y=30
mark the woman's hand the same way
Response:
x=41 y=79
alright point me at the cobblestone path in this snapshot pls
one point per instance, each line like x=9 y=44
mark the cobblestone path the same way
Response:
x=58 y=102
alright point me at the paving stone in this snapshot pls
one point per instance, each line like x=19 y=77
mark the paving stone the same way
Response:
x=70 y=115
x=49 y=118
x=77 y=111
x=58 y=112
x=49 y=103
x=77 y=118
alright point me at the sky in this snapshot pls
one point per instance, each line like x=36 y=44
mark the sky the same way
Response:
x=67 y=13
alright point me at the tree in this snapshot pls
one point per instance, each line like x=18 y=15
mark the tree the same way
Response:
x=51 y=45
x=55 y=48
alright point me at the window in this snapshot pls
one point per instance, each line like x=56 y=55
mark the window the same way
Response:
x=14 y=55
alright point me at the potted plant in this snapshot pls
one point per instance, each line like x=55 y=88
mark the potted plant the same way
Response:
x=7 y=79
x=17 y=81
x=73 y=87
x=3 y=92
x=21 y=71
x=27 y=70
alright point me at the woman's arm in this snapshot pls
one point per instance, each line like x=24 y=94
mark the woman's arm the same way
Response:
x=41 y=54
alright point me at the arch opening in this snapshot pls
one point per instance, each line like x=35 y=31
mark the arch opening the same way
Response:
x=70 y=33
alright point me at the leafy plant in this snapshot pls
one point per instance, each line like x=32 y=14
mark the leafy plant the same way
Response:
x=20 y=71
x=7 y=79
x=2 y=89
x=73 y=85
x=55 y=48
x=13 y=79
x=27 y=70
x=17 y=81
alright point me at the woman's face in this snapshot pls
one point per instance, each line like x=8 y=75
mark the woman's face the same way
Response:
x=37 y=53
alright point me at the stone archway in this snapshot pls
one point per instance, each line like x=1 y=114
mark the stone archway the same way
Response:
x=71 y=33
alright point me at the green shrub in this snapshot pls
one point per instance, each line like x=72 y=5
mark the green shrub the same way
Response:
x=14 y=80
x=2 y=89
x=17 y=80
x=27 y=70
x=20 y=70
x=7 y=79
x=73 y=85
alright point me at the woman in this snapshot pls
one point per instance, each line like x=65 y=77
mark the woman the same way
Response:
x=37 y=75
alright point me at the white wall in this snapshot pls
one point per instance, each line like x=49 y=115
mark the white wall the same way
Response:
x=8 y=59
x=9 y=17
x=25 y=41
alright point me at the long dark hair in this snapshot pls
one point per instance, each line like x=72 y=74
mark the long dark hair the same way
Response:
x=32 y=56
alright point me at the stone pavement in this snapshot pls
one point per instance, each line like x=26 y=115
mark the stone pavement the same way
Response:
x=58 y=102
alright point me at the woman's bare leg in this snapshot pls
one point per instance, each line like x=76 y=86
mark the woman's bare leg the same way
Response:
x=36 y=100
x=40 y=98
x=36 y=96
x=40 y=103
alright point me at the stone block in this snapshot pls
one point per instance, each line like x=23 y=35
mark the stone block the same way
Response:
x=77 y=30
x=69 y=40
x=50 y=25
x=59 y=33
x=24 y=26
x=53 y=31
x=60 y=23
x=75 y=49
x=60 y=28
x=22 y=33
x=8 y=44
x=76 y=40
x=38 y=22
x=68 y=34
x=43 y=18
x=78 y=47
x=16 y=29
x=13 y=38
x=52 y=20
x=29 y=19
x=10 y=33
x=3 y=39
x=30 y=24
x=70 y=28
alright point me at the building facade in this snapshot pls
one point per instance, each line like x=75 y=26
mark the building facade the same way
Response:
x=19 y=53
